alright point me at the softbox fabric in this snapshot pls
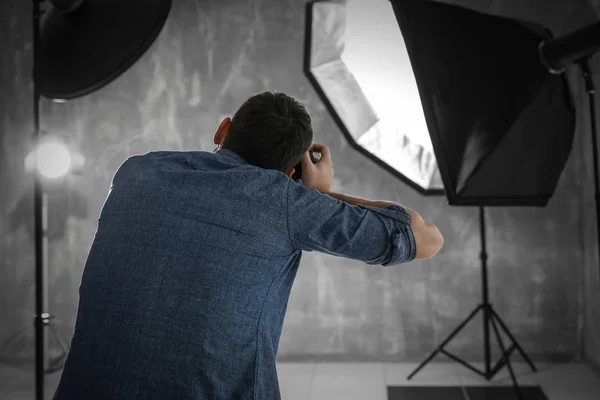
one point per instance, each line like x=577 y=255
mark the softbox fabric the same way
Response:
x=501 y=126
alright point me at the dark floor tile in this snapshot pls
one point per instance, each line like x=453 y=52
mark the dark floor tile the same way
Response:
x=425 y=393
x=504 y=393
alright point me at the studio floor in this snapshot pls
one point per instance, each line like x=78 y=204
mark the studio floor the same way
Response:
x=371 y=381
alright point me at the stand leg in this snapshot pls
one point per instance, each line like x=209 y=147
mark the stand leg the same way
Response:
x=55 y=365
x=512 y=338
x=445 y=342
x=505 y=358
x=59 y=340
x=51 y=367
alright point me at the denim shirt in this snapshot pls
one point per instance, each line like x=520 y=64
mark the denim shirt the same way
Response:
x=186 y=285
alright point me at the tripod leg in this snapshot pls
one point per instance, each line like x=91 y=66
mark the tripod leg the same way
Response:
x=505 y=357
x=59 y=339
x=57 y=363
x=445 y=342
x=512 y=338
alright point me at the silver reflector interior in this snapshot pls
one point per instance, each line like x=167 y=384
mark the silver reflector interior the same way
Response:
x=360 y=64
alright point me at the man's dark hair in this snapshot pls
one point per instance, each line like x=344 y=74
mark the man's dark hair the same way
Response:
x=270 y=130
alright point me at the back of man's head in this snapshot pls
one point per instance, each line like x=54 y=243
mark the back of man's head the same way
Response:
x=270 y=130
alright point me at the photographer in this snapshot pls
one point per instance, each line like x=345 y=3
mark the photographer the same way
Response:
x=185 y=289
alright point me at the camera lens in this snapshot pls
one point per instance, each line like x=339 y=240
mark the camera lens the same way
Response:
x=298 y=168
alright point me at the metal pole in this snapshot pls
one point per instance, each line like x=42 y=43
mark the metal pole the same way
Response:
x=46 y=300
x=591 y=90
x=485 y=297
x=38 y=221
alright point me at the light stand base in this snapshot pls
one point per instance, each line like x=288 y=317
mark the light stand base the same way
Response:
x=51 y=364
x=494 y=319
x=491 y=317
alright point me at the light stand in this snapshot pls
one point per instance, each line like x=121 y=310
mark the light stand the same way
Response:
x=79 y=47
x=577 y=48
x=490 y=317
x=41 y=319
x=591 y=91
x=555 y=54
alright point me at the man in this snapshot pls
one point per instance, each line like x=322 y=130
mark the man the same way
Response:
x=185 y=288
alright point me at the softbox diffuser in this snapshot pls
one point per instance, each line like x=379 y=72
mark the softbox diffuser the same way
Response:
x=501 y=126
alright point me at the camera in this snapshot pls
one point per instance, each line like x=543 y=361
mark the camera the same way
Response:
x=298 y=168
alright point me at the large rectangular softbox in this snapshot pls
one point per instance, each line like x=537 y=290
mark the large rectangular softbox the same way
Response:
x=501 y=125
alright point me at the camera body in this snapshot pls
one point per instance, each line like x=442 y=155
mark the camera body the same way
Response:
x=298 y=168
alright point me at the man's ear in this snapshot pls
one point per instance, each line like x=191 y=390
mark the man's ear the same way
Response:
x=222 y=131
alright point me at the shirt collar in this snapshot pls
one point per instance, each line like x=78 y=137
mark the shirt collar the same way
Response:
x=230 y=154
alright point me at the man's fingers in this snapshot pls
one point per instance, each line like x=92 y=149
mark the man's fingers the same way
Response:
x=316 y=147
x=324 y=150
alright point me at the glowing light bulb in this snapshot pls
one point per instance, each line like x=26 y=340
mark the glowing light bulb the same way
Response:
x=53 y=159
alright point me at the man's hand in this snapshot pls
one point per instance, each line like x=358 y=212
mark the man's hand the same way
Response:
x=319 y=175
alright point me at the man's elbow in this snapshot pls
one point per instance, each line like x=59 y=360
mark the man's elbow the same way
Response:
x=437 y=240
x=429 y=242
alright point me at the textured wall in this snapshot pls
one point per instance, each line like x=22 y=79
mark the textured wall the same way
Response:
x=16 y=248
x=211 y=56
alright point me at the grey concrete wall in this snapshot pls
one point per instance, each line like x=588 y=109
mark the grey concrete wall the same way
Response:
x=207 y=61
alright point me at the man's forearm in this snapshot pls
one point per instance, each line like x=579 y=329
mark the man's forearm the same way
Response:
x=357 y=200
x=428 y=237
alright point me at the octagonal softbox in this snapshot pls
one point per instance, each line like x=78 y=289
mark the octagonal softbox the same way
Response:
x=498 y=126
x=352 y=88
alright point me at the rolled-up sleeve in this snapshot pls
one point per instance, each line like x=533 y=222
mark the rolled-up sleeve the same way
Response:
x=376 y=236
